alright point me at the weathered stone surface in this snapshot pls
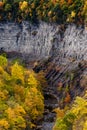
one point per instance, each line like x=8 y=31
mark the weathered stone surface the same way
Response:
x=44 y=40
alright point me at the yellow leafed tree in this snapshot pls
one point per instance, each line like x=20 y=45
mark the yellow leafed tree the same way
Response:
x=23 y=5
x=17 y=72
x=21 y=99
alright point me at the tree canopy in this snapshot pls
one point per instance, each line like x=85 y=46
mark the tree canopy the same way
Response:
x=21 y=98
x=60 y=11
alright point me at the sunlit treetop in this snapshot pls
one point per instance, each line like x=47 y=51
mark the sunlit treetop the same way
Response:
x=21 y=99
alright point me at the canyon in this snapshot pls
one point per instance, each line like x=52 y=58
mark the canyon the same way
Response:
x=59 y=50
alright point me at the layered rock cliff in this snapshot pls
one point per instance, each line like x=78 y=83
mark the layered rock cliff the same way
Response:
x=44 y=40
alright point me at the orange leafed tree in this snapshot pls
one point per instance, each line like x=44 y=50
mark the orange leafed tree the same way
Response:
x=67 y=98
x=69 y=2
x=1 y=4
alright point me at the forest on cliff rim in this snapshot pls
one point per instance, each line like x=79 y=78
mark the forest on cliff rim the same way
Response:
x=60 y=11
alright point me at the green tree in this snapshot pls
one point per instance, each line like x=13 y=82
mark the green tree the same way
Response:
x=3 y=61
x=75 y=118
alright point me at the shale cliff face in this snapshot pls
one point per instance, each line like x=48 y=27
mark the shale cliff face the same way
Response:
x=44 y=40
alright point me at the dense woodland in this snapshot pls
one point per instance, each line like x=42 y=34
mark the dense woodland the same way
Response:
x=21 y=98
x=60 y=11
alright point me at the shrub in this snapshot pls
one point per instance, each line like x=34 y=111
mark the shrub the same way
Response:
x=7 y=7
x=3 y=61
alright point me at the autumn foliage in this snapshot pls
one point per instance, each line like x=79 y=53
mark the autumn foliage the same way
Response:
x=21 y=99
x=75 y=118
x=67 y=98
x=60 y=11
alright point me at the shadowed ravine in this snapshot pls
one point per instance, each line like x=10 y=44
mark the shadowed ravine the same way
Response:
x=60 y=50
x=70 y=74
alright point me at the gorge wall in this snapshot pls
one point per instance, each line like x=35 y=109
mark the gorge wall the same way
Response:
x=44 y=40
x=63 y=44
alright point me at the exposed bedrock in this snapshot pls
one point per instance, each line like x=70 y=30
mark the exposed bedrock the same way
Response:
x=44 y=40
x=64 y=52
